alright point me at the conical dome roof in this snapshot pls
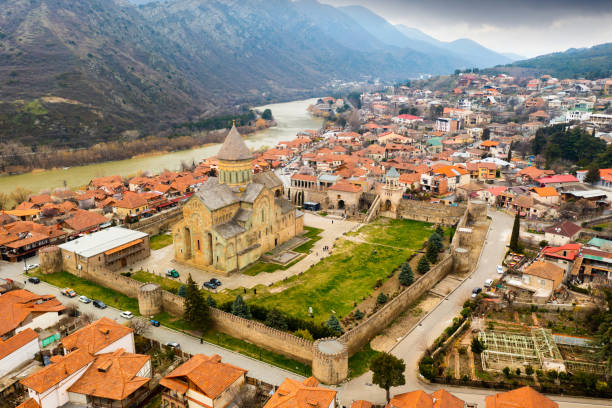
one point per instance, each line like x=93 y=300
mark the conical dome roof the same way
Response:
x=234 y=148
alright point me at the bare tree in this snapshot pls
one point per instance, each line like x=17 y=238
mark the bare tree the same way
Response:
x=354 y=121
x=140 y=326
x=20 y=194
x=4 y=201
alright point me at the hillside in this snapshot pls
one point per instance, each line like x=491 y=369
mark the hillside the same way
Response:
x=590 y=63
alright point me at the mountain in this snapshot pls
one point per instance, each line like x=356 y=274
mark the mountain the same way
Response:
x=416 y=34
x=591 y=63
x=513 y=56
x=473 y=51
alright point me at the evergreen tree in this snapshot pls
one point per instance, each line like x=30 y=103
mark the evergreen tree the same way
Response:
x=388 y=371
x=514 y=238
x=182 y=291
x=196 y=309
x=477 y=346
x=240 y=308
x=358 y=315
x=381 y=299
x=423 y=266
x=434 y=246
x=211 y=302
x=406 y=276
x=440 y=230
x=276 y=319
x=592 y=175
x=486 y=134
x=334 y=324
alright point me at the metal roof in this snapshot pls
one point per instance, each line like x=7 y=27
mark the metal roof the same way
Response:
x=102 y=241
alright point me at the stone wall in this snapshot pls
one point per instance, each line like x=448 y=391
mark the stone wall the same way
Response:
x=429 y=212
x=158 y=223
x=359 y=336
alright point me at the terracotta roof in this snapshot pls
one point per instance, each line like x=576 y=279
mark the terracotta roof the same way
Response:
x=16 y=342
x=525 y=397
x=444 y=399
x=83 y=220
x=546 y=191
x=361 y=404
x=17 y=305
x=209 y=374
x=96 y=336
x=132 y=200
x=294 y=394
x=234 y=148
x=570 y=250
x=545 y=270
x=29 y=403
x=304 y=177
x=489 y=143
x=61 y=368
x=112 y=376
x=566 y=228
x=345 y=186
x=413 y=399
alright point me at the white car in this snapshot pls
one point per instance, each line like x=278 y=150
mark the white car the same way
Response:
x=126 y=315
x=30 y=267
x=488 y=283
x=84 y=299
x=500 y=269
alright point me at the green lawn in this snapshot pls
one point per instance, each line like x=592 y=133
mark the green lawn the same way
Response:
x=359 y=363
x=314 y=235
x=90 y=289
x=335 y=283
x=268 y=267
x=170 y=285
x=239 y=346
x=159 y=241
x=399 y=233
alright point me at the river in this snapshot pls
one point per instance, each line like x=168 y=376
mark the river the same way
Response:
x=291 y=117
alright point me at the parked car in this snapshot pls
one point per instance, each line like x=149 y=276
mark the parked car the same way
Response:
x=173 y=345
x=500 y=269
x=154 y=323
x=488 y=283
x=84 y=299
x=126 y=314
x=215 y=282
x=69 y=292
x=172 y=273
x=33 y=280
x=476 y=291
x=29 y=267
x=99 y=304
x=209 y=285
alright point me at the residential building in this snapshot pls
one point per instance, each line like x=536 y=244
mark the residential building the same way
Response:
x=296 y=394
x=524 y=397
x=22 y=309
x=202 y=381
x=562 y=233
x=545 y=195
x=102 y=336
x=542 y=278
x=17 y=350
x=420 y=399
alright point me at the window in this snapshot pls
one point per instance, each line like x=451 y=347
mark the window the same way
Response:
x=198 y=245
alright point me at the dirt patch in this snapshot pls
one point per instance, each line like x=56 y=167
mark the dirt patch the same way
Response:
x=404 y=323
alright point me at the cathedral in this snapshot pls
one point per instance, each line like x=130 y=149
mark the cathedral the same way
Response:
x=236 y=217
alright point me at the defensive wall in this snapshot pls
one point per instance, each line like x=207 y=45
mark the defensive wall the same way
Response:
x=158 y=223
x=429 y=212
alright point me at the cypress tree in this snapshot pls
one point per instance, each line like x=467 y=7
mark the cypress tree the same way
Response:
x=514 y=238
x=334 y=324
x=196 y=309
x=423 y=266
x=406 y=276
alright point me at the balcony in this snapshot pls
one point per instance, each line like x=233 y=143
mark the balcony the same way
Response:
x=122 y=254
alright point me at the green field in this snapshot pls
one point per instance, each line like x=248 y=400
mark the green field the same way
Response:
x=314 y=235
x=90 y=289
x=170 y=285
x=160 y=241
x=359 y=363
x=398 y=233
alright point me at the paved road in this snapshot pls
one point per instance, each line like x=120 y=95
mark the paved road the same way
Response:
x=411 y=347
x=256 y=368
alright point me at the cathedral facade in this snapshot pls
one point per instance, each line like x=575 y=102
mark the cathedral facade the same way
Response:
x=236 y=217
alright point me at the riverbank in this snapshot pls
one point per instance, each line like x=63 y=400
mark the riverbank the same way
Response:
x=291 y=117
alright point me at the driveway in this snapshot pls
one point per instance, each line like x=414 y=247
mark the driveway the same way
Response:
x=411 y=347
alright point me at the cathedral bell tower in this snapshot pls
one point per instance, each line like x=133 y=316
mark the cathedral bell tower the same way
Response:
x=234 y=157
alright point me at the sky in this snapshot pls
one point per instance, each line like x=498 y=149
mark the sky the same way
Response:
x=524 y=27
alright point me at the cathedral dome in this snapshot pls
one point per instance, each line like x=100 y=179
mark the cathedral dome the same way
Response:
x=234 y=148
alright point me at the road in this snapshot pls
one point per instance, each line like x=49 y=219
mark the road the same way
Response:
x=412 y=346
x=258 y=369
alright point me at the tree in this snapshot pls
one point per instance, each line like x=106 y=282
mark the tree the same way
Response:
x=304 y=333
x=276 y=320
x=267 y=114
x=19 y=195
x=334 y=324
x=211 y=302
x=507 y=372
x=196 y=309
x=514 y=238
x=388 y=371
x=529 y=370
x=486 y=134
x=604 y=332
x=182 y=291
x=240 y=308
x=432 y=252
x=477 y=346
x=592 y=175
x=140 y=326
x=440 y=230
x=423 y=266
x=358 y=314
x=381 y=299
x=354 y=121
x=406 y=276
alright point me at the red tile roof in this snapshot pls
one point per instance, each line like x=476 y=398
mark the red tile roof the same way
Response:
x=525 y=397
x=16 y=342
x=96 y=336
x=17 y=305
x=61 y=368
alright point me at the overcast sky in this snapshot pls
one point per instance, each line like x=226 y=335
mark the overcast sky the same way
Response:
x=525 y=27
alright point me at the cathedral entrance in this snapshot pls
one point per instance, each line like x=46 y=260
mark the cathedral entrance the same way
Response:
x=187 y=242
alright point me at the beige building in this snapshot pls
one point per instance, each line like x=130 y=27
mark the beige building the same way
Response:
x=236 y=217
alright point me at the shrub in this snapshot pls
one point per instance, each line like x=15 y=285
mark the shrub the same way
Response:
x=406 y=276
x=518 y=371
x=334 y=324
x=529 y=370
x=381 y=299
x=462 y=350
x=539 y=373
x=303 y=333
x=210 y=301
x=358 y=315
x=477 y=346
x=182 y=291
x=276 y=320
x=240 y=308
x=552 y=374
x=427 y=368
x=423 y=265
x=506 y=372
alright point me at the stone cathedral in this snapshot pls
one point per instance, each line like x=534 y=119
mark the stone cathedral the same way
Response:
x=236 y=217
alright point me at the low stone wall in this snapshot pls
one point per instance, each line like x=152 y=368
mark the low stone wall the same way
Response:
x=114 y=281
x=258 y=333
x=359 y=336
x=158 y=223
x=429 y=212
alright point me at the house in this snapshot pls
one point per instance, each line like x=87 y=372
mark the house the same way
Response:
x=22 y=239
x=490 y=194
x=296 y=394
x=524 y=397
x=456 y=176
x=22 y=309
x=420 y=399
x=436 y=184
x=406 y=119
x=202 y=381
x=543 y=278
x=344 y=196
x=545 y=195
x=102 y=336
x=482 y=171
x=17 y=350
x=83 y=222
x=132 y=204
x=564 y=256
x=558 y=180
x=592 y=264
x=562 y=233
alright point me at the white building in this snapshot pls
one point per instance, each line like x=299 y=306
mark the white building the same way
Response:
x=22 y=309
x=17 y=350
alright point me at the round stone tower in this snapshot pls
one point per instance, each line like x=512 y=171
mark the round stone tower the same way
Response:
x=50 y=259
x=461 y=260
x=477 y=210
x=149 y=299
x=330 y=361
